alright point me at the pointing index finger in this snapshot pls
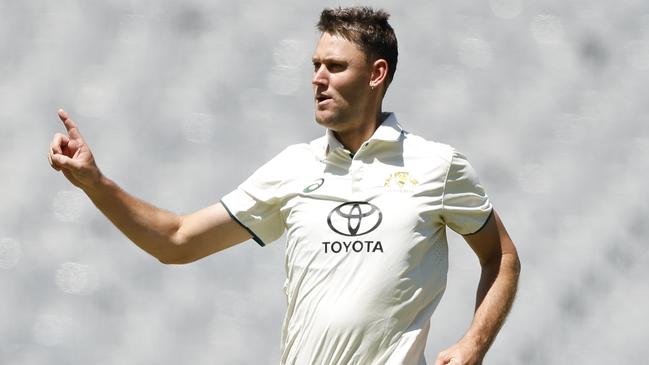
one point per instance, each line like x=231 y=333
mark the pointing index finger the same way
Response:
x=69 y=124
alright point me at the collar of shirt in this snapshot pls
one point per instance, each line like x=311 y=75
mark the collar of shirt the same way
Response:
x=388 y=131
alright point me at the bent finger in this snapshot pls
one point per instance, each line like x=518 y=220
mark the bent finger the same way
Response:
x=49 y=159
x=63 y=162
x=58 y=142
x=74 y=145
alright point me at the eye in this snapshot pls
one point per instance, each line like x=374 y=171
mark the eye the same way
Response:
x=316 y=66
x=335 y=67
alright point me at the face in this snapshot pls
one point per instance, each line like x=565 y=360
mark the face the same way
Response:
x=340 y=83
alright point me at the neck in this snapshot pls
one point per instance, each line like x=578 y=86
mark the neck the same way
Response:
x=353 y=137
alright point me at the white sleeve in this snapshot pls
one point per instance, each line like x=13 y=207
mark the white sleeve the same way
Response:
x=465 y=205
x=256 y=203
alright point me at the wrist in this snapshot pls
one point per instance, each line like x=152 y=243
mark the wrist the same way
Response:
x=478 y=344
x=99 y=184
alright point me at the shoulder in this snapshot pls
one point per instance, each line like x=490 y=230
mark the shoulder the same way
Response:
x=288 y=163
x=417 y=146
x=436 y=157
x=295 y=153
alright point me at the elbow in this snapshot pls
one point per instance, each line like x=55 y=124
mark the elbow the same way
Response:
x=174 y=260
x=169 y=260
x=518 y=265
x=510 y=259
x=172 y=252
x=505 y=263
x=165 y=261
x=514 y=264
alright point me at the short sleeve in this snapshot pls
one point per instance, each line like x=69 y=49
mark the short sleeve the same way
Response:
x=256 y=203
x=465 y=205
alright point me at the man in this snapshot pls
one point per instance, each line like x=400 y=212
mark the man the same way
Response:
x=365 y=209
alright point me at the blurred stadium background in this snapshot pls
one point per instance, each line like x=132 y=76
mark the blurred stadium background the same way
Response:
x=182 y=100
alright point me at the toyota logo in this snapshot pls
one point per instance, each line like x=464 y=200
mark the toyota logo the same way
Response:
x=354 y=218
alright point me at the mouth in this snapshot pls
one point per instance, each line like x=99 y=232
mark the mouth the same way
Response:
x=322 y=99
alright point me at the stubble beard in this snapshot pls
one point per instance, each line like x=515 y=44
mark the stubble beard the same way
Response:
x=333 y=120
x=335 y=117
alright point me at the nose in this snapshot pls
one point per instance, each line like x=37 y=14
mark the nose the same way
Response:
x=320 y=76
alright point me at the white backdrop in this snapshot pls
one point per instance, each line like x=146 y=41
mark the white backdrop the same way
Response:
x=182 y=100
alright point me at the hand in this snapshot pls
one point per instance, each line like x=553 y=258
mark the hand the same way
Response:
x=71 y=155
x=459 y=354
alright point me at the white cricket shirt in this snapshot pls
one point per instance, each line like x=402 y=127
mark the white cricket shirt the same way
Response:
x=366 y=252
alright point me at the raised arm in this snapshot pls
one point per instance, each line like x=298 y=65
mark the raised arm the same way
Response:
x=496 y=290
x=171 y=238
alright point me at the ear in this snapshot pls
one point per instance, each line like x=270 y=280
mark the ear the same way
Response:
x=379 y=73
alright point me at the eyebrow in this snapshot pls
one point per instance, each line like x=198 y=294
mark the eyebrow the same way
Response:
x=329 y=59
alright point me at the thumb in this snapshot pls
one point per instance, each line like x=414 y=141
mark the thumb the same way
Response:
x=442 y=359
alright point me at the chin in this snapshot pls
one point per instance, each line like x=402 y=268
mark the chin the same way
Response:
x=325 y=119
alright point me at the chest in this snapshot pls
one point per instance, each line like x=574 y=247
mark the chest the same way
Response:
x=363 y=209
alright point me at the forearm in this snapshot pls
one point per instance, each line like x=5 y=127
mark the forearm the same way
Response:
x=494 y=298
x=151 y=228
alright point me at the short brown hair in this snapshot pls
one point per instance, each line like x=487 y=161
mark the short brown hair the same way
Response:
x=367 y=28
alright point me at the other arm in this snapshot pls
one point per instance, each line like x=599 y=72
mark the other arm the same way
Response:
x=171 y=238
x=495 y=295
